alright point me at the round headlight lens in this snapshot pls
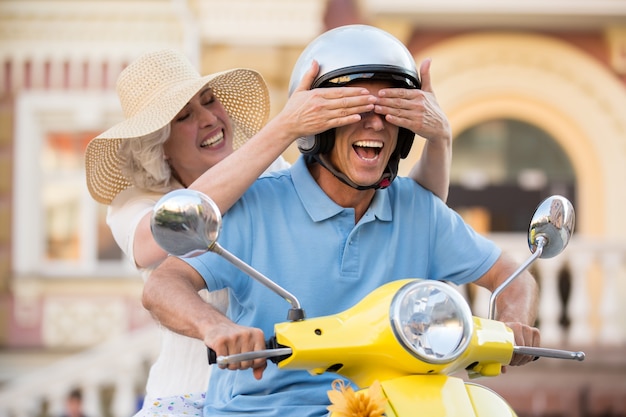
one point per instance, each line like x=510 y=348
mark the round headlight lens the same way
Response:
x=431 y=320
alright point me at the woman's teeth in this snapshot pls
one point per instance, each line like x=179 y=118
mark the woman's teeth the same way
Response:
x=213 y=140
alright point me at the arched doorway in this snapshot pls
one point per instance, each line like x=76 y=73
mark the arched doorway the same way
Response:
x=550 y=84
x=502 y=169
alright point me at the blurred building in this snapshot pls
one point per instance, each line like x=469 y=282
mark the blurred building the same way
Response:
x=535 y=92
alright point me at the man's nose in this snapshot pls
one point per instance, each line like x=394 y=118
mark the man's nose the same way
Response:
x=372 y=120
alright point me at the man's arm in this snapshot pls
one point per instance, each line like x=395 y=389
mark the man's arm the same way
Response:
x=171 y=296
x=517 y=305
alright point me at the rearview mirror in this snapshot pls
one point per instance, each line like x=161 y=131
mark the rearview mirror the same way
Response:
x=185 y=223
x=554 y=221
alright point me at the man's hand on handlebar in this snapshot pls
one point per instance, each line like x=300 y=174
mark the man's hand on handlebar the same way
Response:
x=228 y=338
x=524 y=336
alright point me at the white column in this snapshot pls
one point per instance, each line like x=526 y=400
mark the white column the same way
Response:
x=610 y=331
x=95 y=74
x=114 y=67
x=91 y=400
x=56 y=400
x=57 y=65
x=549 y=302
x=75 y=73
x=580 y=332
x=37 y=73
x=124 y=397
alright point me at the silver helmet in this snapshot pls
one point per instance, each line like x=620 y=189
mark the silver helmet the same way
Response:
x=348 y=53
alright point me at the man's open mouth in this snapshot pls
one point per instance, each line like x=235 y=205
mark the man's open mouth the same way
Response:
x=367 y=149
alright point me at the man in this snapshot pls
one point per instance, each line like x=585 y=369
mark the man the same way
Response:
x=331 y=229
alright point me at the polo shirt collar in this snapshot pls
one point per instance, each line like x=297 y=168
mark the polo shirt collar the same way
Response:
x=320 y=207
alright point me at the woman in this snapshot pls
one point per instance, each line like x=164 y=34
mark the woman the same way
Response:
x=180 y=130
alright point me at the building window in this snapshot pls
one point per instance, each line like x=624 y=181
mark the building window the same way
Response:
x=62 y=188
x=59 y=229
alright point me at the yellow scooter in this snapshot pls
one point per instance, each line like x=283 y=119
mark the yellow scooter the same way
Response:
x=402 y=343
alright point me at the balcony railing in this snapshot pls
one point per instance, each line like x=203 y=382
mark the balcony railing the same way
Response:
x=113 y=369
x=579 y=307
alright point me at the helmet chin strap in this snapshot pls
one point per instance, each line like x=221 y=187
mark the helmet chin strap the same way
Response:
x=391 y=171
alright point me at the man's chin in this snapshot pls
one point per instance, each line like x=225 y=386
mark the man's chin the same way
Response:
x=368 y=182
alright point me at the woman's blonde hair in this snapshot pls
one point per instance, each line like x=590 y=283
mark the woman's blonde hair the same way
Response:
x=143 y=162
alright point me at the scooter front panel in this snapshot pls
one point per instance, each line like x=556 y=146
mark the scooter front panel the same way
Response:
x=487 y=402
x=428 y=395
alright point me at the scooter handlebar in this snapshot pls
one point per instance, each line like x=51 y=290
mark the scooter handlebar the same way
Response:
x=274 y=352
x=549 y=353
x=275 y=355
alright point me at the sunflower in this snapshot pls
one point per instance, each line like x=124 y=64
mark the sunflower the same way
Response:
x=347 y=403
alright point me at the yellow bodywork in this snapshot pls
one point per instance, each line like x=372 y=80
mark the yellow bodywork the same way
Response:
x=360 y=344
x=441 y=396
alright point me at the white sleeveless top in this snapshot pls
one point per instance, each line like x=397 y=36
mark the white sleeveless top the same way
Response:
x=182 y=366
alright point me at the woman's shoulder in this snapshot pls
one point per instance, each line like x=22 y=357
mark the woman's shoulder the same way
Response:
x=134 y=194
x=130 y=204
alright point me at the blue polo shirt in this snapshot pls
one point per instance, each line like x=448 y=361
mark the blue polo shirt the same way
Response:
x=287 y=228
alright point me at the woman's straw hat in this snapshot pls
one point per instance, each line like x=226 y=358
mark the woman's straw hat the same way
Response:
x=152 y=90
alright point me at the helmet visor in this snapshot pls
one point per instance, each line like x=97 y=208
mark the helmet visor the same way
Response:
x=396 y=79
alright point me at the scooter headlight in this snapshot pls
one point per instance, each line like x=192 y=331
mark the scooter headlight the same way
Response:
x=431 y=320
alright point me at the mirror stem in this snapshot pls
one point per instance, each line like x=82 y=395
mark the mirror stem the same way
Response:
x=216 y=248
x=541 y=242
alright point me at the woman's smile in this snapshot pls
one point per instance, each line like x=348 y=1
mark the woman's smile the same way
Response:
x=214 y=140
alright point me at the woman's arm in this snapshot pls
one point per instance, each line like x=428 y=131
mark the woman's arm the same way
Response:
x=432 y=171
x=306 y=112
x=419 y=111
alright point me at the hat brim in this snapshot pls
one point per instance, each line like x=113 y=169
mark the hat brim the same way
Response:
x=242 y=92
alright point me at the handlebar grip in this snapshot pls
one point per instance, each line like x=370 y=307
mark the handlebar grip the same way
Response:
x=212 y=356
x=538 y=352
